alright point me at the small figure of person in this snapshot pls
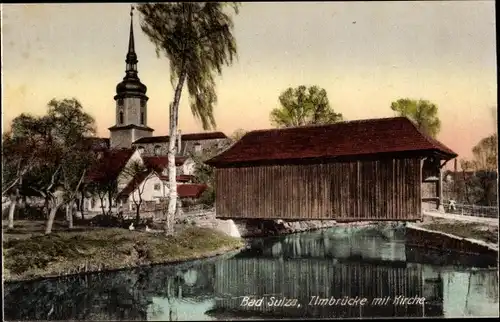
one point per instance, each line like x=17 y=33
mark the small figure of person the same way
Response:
x=452 y=206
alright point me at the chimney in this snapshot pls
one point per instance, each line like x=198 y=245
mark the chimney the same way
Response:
x=179 y=142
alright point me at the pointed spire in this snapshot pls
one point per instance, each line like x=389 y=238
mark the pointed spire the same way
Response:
x=131 y=55
x=131 y=44
x=131 y=82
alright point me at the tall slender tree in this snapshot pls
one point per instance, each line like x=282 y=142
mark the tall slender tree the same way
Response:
x=197 y=39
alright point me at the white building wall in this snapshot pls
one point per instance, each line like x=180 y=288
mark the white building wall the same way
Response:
x=147 y=191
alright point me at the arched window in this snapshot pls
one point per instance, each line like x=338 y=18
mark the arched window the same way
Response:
x=121 y=117
x=157 y=150
x=142 y=117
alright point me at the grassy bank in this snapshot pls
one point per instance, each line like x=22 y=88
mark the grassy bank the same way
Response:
x=464 y=230
x=33 y=255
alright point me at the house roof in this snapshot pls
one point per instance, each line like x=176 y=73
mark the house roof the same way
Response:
x=96 y=144
x=179 y=178
x=159 y=163
x=188 y=190
x=109 y=165
x=184 y=137
x=191 y=190
x=343 y=139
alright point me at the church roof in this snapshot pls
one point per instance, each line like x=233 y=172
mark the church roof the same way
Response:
x=184 y=137
x=159 y=163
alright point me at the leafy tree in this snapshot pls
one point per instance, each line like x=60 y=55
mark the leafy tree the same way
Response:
x=481 y=188
x=50 y=147
x=304 y=106
x=203 y=173
x=197 y=39
x=237 y=135
x=422 y=112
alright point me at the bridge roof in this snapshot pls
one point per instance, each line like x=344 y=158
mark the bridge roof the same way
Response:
x=344 y=139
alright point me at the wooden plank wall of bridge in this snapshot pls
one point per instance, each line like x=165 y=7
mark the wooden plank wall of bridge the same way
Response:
x=345 y=191
x=301 y=279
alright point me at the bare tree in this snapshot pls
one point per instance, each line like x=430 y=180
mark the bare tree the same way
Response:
x=138 y=175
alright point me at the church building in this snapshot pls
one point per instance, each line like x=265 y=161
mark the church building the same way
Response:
x=132 y=140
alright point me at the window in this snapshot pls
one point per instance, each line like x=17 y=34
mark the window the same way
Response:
x=143 y=103
x=157 y=187
x=140 y=149
x=197 y=147
x=142 y=117
x=157 y=150
x=121 y=117
x=92 y=203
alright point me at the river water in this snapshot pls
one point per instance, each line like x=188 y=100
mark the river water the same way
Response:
x=373 y=270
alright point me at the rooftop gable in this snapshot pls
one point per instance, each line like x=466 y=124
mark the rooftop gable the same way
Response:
x=343 y=139
x=110 y=165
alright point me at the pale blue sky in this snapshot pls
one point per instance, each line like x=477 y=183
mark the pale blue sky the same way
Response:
x=365 y=54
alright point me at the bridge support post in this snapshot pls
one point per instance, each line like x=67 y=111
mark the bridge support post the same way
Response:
x=440 y=191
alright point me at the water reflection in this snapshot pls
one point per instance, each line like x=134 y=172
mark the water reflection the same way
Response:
x=356 y=262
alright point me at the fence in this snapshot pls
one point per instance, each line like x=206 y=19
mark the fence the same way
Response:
x=470 y=210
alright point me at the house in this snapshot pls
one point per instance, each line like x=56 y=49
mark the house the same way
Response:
x=349 y=171
x=115 y=167
x=151 y=187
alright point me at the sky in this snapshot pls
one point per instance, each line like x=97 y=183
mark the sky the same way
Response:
x=365 y=54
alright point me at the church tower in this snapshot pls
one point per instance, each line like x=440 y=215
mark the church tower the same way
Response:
x=131 y=103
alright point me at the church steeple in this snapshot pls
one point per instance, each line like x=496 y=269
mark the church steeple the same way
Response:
x=131 y=55
x=131 y=83
x=131 y=101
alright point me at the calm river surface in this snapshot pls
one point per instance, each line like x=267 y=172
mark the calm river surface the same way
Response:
x=338 y=262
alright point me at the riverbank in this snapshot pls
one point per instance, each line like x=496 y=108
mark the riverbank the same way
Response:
x=468 y=237
x=30 y=255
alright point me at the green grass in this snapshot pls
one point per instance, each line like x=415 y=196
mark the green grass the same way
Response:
x=64 y=252
x=465 y=230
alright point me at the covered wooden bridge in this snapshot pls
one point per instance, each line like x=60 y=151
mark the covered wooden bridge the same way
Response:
x=349 y=171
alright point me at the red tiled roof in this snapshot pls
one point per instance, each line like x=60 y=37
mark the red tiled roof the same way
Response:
x=353 y=138
x=184 y=178
x=179 y=178
x=190 y=190
x=110 y=165
x=184 y=137
x=159 y=163
x=96 y=144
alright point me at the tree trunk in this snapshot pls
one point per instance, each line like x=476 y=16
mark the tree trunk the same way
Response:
x=137 y=214
x=102 y=207
x=172 y=202
x=52 y=216
x=110 y=202
x=69 y=215
x=12 y=210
